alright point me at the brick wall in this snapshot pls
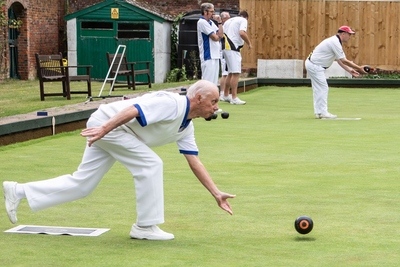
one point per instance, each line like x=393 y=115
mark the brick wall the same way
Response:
x=176 y=7
x=43 y=33
x=40 y=33
x=173 y=7
x=43 y=29
x=76 y=5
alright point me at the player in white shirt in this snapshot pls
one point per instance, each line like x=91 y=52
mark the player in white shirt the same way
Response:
x=235 y=36
x=208 y=40
x=224 y=72
x=125 y=131
x=324 y=54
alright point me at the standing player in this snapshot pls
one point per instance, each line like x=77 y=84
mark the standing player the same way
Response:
x=224 y=72
x=235 y=37
x=322 y=58
x=208 y=40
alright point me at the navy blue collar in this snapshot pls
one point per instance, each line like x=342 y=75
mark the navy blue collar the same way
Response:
x=209 y=21
x=185 y=121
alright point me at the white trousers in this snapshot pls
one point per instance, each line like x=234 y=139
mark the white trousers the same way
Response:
x=143 y=163
x=319 y=86
x=210 y=70
x=224 y=71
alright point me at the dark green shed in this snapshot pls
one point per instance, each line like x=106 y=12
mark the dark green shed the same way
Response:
x=98 y=29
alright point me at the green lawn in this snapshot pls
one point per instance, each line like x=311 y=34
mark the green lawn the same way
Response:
x=279 y=161
x=20 y=97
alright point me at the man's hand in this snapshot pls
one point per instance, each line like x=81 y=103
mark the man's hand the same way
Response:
x=96 y=133
x=93 y=134
x=217 y=18
x=354 y=73
x=223 y=202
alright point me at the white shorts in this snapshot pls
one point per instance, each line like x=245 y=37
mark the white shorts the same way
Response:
x=210 y=70
x=233 y=61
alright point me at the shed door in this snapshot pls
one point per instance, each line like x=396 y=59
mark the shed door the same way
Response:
x=98 y=38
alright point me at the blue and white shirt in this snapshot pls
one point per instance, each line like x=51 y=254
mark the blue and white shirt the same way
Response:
x=208 y=49
x=163 y=120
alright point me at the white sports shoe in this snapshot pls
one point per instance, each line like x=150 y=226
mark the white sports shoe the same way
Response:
x=149 y=233
x=325 y=116
x=225 y=98
x=237 y=101
x=11 y=200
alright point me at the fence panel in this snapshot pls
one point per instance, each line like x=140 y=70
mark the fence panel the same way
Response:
x=290 y=29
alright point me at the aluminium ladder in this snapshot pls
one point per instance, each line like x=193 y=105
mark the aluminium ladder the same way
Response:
x=113 y=79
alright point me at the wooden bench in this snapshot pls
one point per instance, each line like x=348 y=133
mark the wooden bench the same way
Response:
x=128 y=70
x=50 y=68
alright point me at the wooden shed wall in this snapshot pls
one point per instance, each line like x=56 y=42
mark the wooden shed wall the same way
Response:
x=290 y=29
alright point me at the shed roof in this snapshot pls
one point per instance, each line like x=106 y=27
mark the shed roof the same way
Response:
x=143 y=8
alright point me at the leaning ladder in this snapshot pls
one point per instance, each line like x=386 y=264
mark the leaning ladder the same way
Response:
x=112 y=79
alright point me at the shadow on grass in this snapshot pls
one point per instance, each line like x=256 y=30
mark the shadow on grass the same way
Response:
x=304 y=239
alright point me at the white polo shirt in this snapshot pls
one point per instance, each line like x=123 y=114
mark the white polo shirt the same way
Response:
x=208 y=49
x=232 y=28
x=327 y=51
x=163 y=120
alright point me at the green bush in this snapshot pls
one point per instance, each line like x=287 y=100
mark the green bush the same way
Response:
x=177 y=75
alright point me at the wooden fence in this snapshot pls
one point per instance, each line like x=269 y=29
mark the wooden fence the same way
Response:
x=290 y=29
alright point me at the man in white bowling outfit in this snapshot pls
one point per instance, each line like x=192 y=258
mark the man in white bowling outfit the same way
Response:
x=208 y=40
x=235 y=34
x=125 y=131
x=324 y=54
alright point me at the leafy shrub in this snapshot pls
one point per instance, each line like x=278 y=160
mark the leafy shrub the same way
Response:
x=177 y=75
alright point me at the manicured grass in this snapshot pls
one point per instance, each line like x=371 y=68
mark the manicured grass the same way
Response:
x=20 y=97
x=279 y=161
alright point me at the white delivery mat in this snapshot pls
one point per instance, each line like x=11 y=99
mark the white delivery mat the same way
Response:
x=56 y=230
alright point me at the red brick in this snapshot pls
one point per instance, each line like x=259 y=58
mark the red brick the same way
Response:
x=43 y=29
